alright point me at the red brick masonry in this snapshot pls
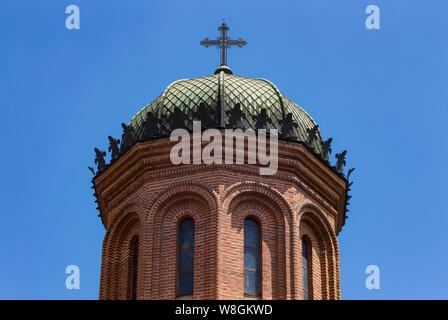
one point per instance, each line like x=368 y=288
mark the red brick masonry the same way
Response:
x=144 y=194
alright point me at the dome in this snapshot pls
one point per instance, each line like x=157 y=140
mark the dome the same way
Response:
x=223 y=100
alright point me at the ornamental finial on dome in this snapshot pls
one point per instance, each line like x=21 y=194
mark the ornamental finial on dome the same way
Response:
x=223 y=42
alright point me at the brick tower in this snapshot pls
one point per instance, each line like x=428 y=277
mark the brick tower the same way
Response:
x=220 y=231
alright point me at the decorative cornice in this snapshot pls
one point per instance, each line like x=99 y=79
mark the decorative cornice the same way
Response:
x=149 y=161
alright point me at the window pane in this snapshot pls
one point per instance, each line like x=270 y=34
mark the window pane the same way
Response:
x=186 y=261
x=186 y=234
x=251 y=282
x=186 y=240
x=187 y=224
x=305 y=279
x=305 y=249
x=186 y=257
x=305 y=254
x=185 y=283
x=251 y=234
x=133 y=267
x=305 y=295
x=251 y=237
x=250 y=223
x=251 y=259
x=305 y=269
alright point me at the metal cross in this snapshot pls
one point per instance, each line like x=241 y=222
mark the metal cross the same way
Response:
x=223 y=42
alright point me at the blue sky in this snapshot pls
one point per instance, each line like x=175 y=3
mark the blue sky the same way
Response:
x=382 y=94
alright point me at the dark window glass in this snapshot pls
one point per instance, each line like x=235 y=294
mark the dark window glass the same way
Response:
x=186 y=260
x=185 y=268
x=305 y=268
x=251 y=257
x=305 y=295
x=133 y=267
x=251 y=283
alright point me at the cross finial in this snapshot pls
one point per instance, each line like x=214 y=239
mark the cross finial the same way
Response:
x=223 y=42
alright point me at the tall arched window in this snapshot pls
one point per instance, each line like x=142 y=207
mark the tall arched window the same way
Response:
x=185 y=267
x=133 y=267
x=251 y=258
x=306 y=269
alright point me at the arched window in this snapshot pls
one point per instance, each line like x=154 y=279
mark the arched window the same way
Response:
x=133 y=267
x=306 y=268
x=185 y=267
x=251 y=258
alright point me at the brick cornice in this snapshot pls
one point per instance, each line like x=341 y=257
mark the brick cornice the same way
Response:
x=150 y=161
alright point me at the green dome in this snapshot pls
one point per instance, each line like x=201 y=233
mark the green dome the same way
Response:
x=219 y=94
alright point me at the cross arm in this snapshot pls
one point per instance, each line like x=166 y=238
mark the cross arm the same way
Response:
x=239 y=42
x=207 y=42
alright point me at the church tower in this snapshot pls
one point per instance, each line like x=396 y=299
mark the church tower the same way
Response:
x=220 y=230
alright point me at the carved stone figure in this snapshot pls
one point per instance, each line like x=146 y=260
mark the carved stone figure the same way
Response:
x=99 y=159
x=177 y=119
x=151 y=126
x=326 y=148
x=91 y=170
x=236 y=116
x=114 y=147
x=312 y=135
x=204 y=115
x=340 y=161
x=262 y=120
x=127 y=138
x=349 y=172
x=288 y=125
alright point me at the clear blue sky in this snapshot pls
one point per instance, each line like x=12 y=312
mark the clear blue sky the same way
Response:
x=382 y=94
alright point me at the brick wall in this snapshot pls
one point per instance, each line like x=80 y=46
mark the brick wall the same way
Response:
x=144 y=194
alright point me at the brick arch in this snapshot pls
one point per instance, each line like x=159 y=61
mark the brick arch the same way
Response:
x=172 y=206
x=256 y=187
x=313 y=224
x=114 y=280
x=275 y=216
x=201 y=190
